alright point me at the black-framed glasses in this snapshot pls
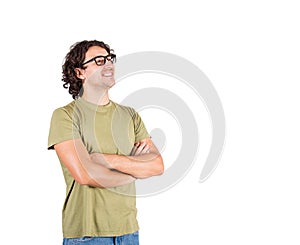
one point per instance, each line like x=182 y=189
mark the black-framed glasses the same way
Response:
x=101 y=60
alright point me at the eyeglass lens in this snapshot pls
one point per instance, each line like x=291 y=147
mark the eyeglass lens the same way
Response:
x=100 y=61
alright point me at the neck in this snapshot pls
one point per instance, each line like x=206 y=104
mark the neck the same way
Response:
x=95 y=97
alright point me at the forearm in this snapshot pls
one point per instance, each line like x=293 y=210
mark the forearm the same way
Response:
x=73 y=154
x=141 y=166
x=99 y=176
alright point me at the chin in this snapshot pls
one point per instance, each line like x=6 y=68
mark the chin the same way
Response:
x=111 y=83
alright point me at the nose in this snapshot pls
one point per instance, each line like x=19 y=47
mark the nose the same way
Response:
x=108 y=64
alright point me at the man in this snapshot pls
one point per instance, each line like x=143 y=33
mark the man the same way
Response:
x=103 y=148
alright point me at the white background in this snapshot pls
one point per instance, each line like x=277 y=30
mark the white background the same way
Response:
x=250 y=52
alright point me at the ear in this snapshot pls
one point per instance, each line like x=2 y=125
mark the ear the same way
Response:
x=80 y=73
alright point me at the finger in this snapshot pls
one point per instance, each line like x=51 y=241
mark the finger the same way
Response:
x=140 y=149
x=145 y=150
x=135 y=147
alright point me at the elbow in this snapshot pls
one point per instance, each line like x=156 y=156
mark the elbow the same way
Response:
x=160 y=168
x=91 y=182
x=161 y=171
x=84 y=179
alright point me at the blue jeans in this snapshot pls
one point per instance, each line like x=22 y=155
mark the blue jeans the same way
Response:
x=129 y=239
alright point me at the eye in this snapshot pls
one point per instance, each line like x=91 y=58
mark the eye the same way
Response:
x=111 y=58
x=100 y=61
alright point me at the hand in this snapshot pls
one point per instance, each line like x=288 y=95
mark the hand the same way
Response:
x=140 y=148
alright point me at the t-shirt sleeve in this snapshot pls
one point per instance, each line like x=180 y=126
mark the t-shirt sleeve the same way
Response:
x=139 y=128
x=62 y=128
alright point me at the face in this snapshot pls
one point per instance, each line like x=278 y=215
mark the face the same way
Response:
x=94 y=76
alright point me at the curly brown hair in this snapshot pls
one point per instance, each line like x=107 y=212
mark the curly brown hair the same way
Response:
x=74 y=59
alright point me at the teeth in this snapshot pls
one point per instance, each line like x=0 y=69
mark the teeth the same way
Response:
x=107 y=74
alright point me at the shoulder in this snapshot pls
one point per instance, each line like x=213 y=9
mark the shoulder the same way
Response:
x=64 y=111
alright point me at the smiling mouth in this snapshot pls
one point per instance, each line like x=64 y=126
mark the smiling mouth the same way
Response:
x=107 y=74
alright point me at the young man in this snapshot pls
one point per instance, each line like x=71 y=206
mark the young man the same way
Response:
x=103 y=147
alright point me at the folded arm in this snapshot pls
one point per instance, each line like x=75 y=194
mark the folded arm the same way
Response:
x=84 y=170
x=145 y=160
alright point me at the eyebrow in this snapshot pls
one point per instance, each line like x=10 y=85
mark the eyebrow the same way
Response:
x=90 y=60
x=87 y=59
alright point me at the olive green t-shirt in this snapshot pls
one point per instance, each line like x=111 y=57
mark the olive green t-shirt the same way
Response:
x=110 y=129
